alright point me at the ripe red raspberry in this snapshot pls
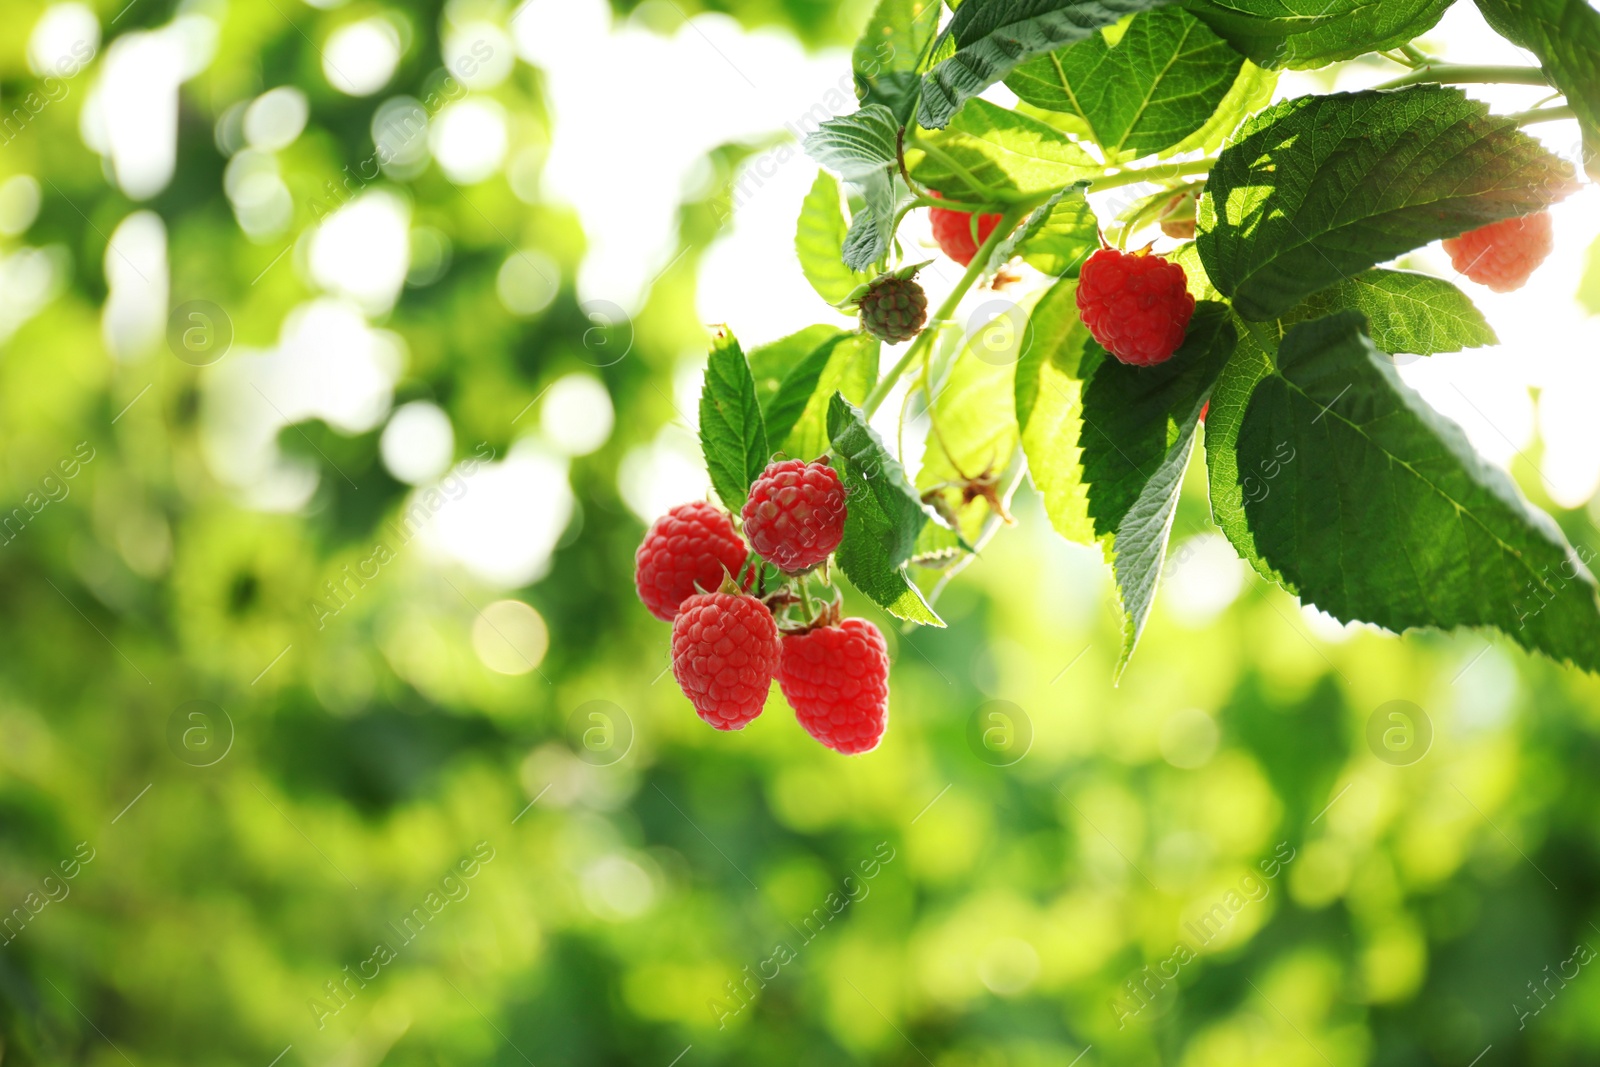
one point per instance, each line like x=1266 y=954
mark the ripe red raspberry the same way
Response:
x=836 y=678
x=795 y=514
x=1135 y=304
x=1504 y=254
x=724 y=654
x=953 y=231
x=693 y=544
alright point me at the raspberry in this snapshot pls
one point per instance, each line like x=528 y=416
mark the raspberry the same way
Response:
x=795 y=514
x=724 y=654
x=691 y=545
x=1504 y=254
x=1135 y=304
x=836 y=678
x=953 y=231
x=893 y=309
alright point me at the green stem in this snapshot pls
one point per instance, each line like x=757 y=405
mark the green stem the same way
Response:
x=1543 y=114
x=1417 y=55
x=980 y=259
x=1466 y=74
x=1160 y=173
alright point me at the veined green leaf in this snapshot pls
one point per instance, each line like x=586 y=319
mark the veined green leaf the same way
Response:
x=1302 y=34
x=1049 y=398
x=996 y=155
x=885 y=59
x=1319 y=188
x=884 y=516
x=1250 y=362
x=1406 y=312
x=1251 y=91
x=992 y=37
x=1565 y=35
x=774 y=361
x=849 y=365
x=1160 y=83
x=1376 y=508
x=819 y=242
x=1139 y=431
x=732 y=434
x=860 y=148
x=1059 y=236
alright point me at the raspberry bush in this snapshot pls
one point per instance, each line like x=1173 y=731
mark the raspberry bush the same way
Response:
x=1169 y=257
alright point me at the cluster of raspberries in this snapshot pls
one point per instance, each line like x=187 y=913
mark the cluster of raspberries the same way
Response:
x=1137 y=305
x=694 y=570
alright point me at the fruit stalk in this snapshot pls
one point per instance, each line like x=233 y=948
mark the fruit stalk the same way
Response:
x=974 y=269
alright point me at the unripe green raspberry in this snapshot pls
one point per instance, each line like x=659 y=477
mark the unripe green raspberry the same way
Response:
x=893 y=309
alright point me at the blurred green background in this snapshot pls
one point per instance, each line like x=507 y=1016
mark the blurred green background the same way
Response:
x=250 y=727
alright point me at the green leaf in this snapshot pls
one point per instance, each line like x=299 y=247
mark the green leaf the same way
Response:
x=1565 y=35
x=1161 y=82
x=1302 y=34
x=884 y=516
x=848 y=364
x=1187 y=256
x=1251 y=91
x=1589 y=285
x=1139 y=430
x=774 y=361
x=1406 y=312
x=1059 y=236
x=1049 y=399
x=1319 y=188
x=1250 y=362
x=861 y=149
x=819 y=242
x=886 y=57
x=1376 y=508
x=993 y=155
x=991 y=38
x=732 y=434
